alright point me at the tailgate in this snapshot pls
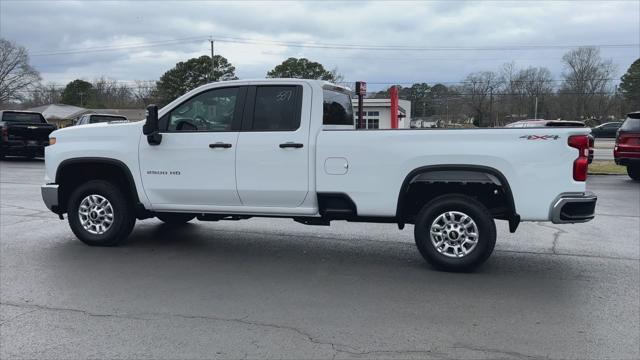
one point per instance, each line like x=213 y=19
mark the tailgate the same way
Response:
x=38 y=132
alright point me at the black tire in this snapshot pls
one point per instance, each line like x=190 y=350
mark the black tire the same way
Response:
x=175 y=218
x=634 y=172
x=122 y=213
x=486 y=231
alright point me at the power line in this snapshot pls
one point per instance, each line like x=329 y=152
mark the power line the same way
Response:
x=319 y=45
x=414 y=48
x=120 y=47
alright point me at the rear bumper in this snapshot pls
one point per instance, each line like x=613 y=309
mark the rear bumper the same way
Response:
x=632 y=159
x=573 y=208
x=50 y=196
x=19 y=147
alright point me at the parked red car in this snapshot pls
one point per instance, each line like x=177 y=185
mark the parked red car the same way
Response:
x=627 y=149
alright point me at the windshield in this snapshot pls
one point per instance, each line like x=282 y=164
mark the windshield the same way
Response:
x=337 y=108
x=32 y=118
x=101 y=118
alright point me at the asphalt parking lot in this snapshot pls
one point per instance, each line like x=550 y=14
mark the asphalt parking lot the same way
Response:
x=266 y=288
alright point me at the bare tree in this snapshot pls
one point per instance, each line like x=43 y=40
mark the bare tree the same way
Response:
x=480 y=88
x=144 y=92
x=523 y=89
x=587 y=82
x=16 y=75
x=44 y=94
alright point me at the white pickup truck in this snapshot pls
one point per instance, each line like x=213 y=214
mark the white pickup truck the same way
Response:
x=289 y=148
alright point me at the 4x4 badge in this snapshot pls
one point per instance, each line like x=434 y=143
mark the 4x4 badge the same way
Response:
x=540 y=137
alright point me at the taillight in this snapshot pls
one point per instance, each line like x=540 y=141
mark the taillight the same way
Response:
x=5 y=133
x=580 y=165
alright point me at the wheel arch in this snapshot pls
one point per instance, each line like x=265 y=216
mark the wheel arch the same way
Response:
x=72 y=170
x=457 y=174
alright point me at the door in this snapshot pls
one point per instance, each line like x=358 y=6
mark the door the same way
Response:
x=610 y=130
x=272 y=162
x=194 y=165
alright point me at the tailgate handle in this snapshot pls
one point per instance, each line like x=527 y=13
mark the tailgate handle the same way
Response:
x=220 y=145
x=291 y=145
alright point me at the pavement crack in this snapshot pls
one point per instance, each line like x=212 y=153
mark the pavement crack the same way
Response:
x=18 y=316
x=149 y=316
x=337 y=348
x=512 y=354
x=556 y=236
x=37 y=307
x=400 y=352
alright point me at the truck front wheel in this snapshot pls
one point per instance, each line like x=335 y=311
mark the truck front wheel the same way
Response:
x=455 y=233
x=100 y=214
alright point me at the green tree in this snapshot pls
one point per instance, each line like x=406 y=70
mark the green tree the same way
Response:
x=79 y=93
x=188 y=75
x=303 y=69
x=630 y=85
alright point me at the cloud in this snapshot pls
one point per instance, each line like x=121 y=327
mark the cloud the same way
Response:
x=48 y=26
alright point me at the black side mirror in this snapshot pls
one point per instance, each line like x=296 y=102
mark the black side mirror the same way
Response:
x=150 y=127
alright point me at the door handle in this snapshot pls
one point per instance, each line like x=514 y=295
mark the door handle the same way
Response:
x=291 y=145
x=220 y=145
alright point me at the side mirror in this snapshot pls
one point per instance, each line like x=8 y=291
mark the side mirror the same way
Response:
x=151 y=124
x=150 y=127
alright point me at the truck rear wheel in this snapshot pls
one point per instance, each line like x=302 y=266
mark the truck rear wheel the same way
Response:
x=634 y=172
x=455 y=233
x=175 y=218
x=100 y=214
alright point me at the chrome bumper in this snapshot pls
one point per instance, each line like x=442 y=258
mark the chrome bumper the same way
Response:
x=573 y=208
x=50 y=196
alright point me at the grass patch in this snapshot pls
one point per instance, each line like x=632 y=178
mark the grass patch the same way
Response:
x=606 y=167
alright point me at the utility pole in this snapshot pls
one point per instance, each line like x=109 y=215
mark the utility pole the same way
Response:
x=536 y=111
x=490 y=104
x=213 y=65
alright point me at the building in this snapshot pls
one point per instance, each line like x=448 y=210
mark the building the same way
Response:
x=64 y=115
x=59 y=114
x=377 y=113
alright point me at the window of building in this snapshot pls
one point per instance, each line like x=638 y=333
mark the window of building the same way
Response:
x=374 y=113
x=337 y=108
x=373 y=123
x=212 y=110
x=276 y=108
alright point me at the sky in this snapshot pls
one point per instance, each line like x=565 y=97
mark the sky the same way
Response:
x=386 y=42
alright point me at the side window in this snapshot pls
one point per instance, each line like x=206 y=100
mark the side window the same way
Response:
x=337 y=108
x=277 y=108
x=212 y=110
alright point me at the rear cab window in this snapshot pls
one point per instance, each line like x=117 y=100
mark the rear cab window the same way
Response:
x=337 y=110
x=31 y=118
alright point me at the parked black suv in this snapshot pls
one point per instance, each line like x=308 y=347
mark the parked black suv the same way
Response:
x=23 y=133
